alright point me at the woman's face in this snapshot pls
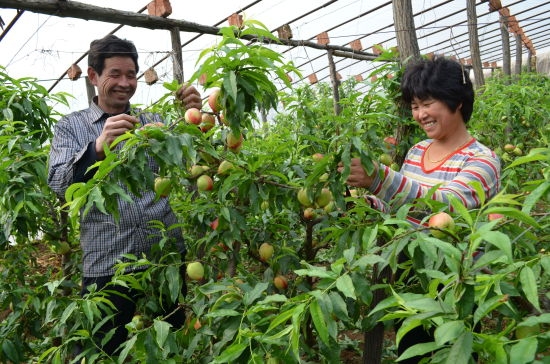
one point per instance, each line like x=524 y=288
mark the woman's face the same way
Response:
x=435 y=117
x=116 y=85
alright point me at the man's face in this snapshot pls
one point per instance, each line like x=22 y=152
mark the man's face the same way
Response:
x=116 y=85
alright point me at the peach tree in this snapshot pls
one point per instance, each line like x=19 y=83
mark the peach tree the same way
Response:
x=317 y=286
x=307 y=299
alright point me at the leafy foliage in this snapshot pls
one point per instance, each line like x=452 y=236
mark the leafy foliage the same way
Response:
x=243 y=72
x=477 y=288
x=27 y=204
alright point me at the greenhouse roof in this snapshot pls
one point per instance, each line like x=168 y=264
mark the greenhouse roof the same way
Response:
x=41 y=43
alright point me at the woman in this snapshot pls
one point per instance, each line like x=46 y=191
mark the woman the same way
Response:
x=441 y=96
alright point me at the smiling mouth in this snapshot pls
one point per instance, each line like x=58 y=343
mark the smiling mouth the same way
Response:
x=121 y=91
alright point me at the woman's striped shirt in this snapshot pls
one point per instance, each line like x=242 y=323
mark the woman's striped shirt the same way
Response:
x=454 y=175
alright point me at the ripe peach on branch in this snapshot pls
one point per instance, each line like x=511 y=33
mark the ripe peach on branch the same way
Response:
x=193 y=116
x=266 y=252
x=214 y=100
x=441 y=222
x=280 y=282
x=205 y=183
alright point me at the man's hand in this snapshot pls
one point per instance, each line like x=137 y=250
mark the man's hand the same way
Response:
x=114 y=127
x=189 y=97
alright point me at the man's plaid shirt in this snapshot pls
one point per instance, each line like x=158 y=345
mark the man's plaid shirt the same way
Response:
x=102 y=240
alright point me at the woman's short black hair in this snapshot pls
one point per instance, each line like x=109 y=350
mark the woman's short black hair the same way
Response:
x=110 y=46
x=442 y=79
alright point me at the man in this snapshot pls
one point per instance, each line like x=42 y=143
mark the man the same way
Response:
x=79 y=141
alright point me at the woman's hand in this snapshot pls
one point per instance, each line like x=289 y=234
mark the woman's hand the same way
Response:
x=358 y=177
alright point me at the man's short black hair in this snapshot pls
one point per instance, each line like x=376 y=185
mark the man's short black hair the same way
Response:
x=110 y=46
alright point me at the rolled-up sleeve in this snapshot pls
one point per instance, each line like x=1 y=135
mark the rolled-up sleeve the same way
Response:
x=72 y=152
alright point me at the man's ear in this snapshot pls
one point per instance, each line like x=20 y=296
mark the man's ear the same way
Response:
x=92 y=76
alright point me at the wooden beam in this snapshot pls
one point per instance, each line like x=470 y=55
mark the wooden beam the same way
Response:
x=74 y=9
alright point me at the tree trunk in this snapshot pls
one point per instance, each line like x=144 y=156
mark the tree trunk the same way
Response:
x=517 y=67
x=177 y=60
x=506 y=69
x=407 y=42
x=335 y=83
x=474 y=43
x=374 y=339
x=407 y=45
x=529 y=61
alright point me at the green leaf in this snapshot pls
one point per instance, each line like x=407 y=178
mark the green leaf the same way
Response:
x=251 y=296
x=313 y=271
x=114 y=190
x=524 y=351
x=459 y=208
x=162 y=329
x=95 y=198
x=345 y=285
x=273 y=298
x=448 y=332
x=451 y=252
x=477 y=186
x=489 y=258
x=392 y=301
x=369 y=238
x=536 y=195
x=533 y=156
x=466 y=301
x=500 y=241
x=8 y=114
x=296 y=333
x=230 y=85
x=513 y=214
x=173 y=154
x=68 y=312
x=174 y=281
x=340 y=309
x=88 y=309
x=43 y=356
x=545 y=263
x=488 y=306
x=461 y=351
x=534 y=320
x=407 y=325
x=502 y=198
x=368 y=261
x=222 y=313
x=529 y=286
x=260 y=32
x=274 y=338
x=418 y=349
x=280 y=319
x=349 y=254
x=11 y=351
x=74 y=191
x=128 y=346
x=317 y=317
